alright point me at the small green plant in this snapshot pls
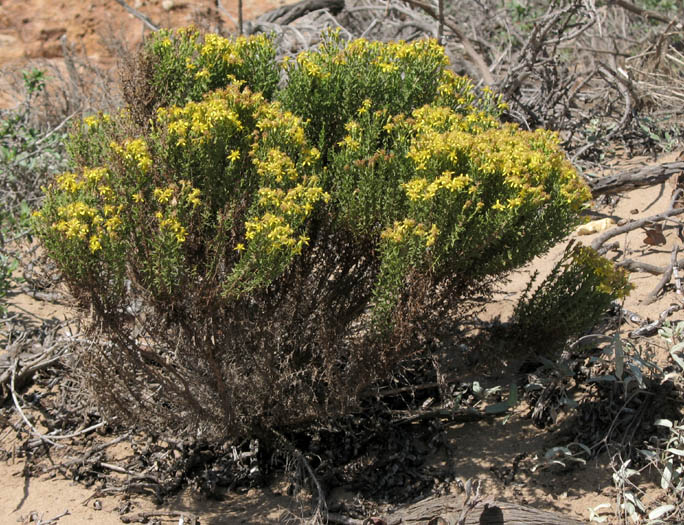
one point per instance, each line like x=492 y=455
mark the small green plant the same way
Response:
x=180 y=66
x=283 y=250
x=570 y=299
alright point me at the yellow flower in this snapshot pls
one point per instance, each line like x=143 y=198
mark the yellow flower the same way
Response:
x=234 y=155
x=95 y=243
x=498 y=206
x=163 y=195
x=193 y=197
x=138 y=197
x=240 y=247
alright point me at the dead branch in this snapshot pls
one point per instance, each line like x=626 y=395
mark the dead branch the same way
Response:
x=642 y=12
x=667 y=275
x=480 y=63
x=639 y=266
x=403 y=417
x=651 y=328
x=287 y=14
x=635 y=178
x=143 y=517
x=609 y=234
x=140 y=16
x=449 y=509
x=82 y=459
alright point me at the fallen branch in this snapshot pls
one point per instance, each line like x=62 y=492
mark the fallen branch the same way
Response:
x=82 y=459
x=449 y=509
x=640 y=266
x=635 y=178
x=651 y=328
x=143 y=18
x=287 y=14
x=456 y=416
x=468 y=47
x=596 y=244
x=143 y=517
x=653 y=295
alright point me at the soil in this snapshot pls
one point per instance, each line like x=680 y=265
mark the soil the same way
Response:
x=499 y=453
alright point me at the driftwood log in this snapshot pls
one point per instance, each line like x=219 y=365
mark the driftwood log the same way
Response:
x=635 y=178
x=448 y=510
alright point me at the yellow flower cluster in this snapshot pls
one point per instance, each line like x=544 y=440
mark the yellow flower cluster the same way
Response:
x=219 y=49
x=172 y=225
x=198 y=122
x=611 y=279
x=529 y=163
x=93 y=121
x=277 y=232
x=69 y=182
x=276 y=166
x=297 y=202
x=388 y=58
x=403 y=230
x=78 y=220
x=134 y=151
x=421 y=189
x=285 y=211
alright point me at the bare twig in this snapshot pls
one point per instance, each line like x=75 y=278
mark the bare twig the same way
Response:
x=140 y=16
x=609 y=234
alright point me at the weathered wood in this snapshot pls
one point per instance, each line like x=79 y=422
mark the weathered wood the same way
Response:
x=635 y=178
x=487 y=512
x=289 y=13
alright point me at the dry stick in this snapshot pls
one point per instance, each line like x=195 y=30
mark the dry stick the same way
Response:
x=143 y=517
x=467 y=45
x=456 y=416
x=144 y=18
x=240 y=17
x=642 y=12
x=84 y=458
x=21 y=412
x=675 y=273
x=631 y=264
x=627 y=91
x=635 y=178
x=51 y=521
x=440 y=28
x=596 y=243
x=651 y=297
x=121 y=470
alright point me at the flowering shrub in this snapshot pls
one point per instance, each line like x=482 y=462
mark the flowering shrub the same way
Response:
x=570 y=299
x=260 y=257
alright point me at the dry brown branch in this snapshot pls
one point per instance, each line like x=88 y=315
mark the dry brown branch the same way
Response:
x=609 y=234
x=642 y=12
x=140 y=16
x=667 y=275
x=485 y=512
x=287 y=14
x=650 y=329
x=143 y=517
x=477 y=59
x=402 y=417
x=635 y=178
x=635 y=266
x=83 y=458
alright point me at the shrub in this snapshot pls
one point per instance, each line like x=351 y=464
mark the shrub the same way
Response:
x=175 y=67
x=570 y=299
x=260 y=259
